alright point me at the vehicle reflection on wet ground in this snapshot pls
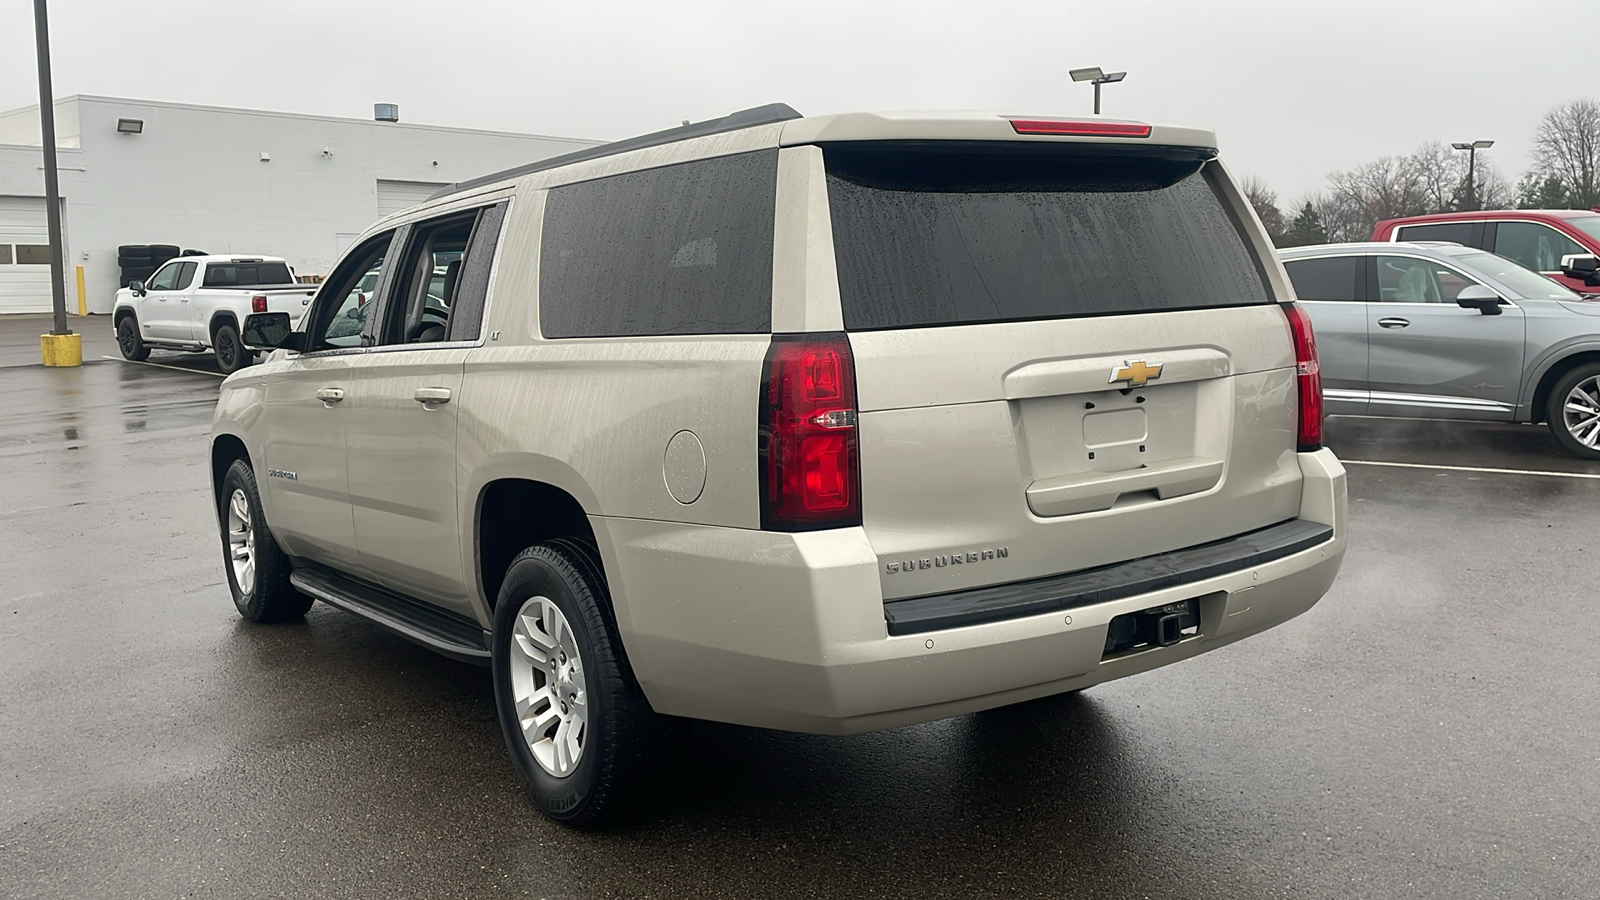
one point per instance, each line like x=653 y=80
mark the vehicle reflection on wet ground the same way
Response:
x=1425 y=731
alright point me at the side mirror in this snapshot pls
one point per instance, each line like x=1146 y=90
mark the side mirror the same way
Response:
x=1480 y=298
x=137 y=287
x=1585 y=266
x=270 y=331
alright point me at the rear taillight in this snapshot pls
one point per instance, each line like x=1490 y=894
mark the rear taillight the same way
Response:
x=1079 y=128
x=1308 y=379
x=258 y=303
x=810 y=467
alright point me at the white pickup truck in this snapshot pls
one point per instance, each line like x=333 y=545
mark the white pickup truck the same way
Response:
x=197 y=303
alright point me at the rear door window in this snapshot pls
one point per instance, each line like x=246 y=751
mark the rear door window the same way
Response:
x=963 y=233
x=683 y=249
x=442 y=280
x=425 y=282
x=1454 y=232
x=1333 y=278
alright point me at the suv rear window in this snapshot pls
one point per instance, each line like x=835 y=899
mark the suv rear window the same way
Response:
x=960 y=233
x=684 y=249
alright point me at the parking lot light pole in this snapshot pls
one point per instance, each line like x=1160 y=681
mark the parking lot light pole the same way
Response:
x=1472 y=157
x=1095 y=76
x=60 y=347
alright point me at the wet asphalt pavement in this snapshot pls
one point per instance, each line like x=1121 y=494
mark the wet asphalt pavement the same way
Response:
x=1428 y=730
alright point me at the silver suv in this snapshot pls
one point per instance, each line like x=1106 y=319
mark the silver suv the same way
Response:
x=1438 y=330
x=822 y=424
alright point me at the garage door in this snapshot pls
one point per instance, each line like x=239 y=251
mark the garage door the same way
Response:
x=24 y=255
x=393 y=196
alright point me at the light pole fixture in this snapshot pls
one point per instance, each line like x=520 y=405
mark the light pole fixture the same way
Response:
x=1095 y=76
x=60 y=347
x=1472 y=149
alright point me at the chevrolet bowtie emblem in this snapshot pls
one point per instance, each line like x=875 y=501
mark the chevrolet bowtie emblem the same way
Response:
x=1136 y=372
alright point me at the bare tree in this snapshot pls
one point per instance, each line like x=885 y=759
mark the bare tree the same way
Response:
x=1494 y=190
x=1341 y=218
x=1265 y=202
x=1441 y=176
x=1567 y=145
x=1386 y=188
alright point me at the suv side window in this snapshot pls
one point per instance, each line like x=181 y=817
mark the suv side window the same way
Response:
x=1538 y=247
x=166 y=279
x=1404 y=279
x=684 y=249
x=350 y=293
x=443 y=280
x=1328 y=278
x=427 y=276
x=472 y=286
x=1456 y=232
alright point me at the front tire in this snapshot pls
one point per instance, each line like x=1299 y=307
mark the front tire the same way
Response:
x=1573 y=411
x=231 y=353
x=129 y=341
x=573 y=718
x=258 y=572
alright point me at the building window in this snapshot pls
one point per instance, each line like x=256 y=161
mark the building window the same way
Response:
x=5 y=254
x=33 y=254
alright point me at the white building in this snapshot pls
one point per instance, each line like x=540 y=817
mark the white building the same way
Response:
x=218 y=180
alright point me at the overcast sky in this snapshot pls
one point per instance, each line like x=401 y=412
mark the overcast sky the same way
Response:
x=1294 y=88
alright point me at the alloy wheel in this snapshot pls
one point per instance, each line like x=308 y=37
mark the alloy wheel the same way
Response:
x=127 y=337
x=241 y=542
x=227 y=350
x=1581 y=412
x=548 y=685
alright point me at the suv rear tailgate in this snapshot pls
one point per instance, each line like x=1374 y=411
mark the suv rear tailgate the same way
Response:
x=1036 y=465
x=1066 y=357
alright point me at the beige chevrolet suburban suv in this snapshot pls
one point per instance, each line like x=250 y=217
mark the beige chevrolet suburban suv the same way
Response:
x=823 y=424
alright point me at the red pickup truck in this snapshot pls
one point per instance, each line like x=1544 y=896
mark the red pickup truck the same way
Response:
x=1562 y=244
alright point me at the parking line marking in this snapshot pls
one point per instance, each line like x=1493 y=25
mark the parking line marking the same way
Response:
x=137 y=362
x=1401 y=465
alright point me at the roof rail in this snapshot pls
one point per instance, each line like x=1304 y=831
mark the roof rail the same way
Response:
x=770 y=114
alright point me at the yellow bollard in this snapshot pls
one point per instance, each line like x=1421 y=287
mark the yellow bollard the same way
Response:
x=61 y=349
x=83 y=301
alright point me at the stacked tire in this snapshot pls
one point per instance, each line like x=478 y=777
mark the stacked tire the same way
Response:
x=139 y=261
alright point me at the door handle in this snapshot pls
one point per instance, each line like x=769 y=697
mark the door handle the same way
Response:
x=330 y=396
x=1393 y=322
x=430 y=396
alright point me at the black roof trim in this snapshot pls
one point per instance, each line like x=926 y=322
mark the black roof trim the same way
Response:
x=770 y=114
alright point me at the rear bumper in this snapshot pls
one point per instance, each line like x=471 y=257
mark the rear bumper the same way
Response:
x=788 y=630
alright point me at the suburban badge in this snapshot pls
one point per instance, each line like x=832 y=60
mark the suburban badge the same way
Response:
x=954 y=558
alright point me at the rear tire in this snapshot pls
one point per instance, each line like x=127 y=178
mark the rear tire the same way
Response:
x=573 y=717
x=129 y=342
x=231 y=353
x=258 y=572
x=1573 y=411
